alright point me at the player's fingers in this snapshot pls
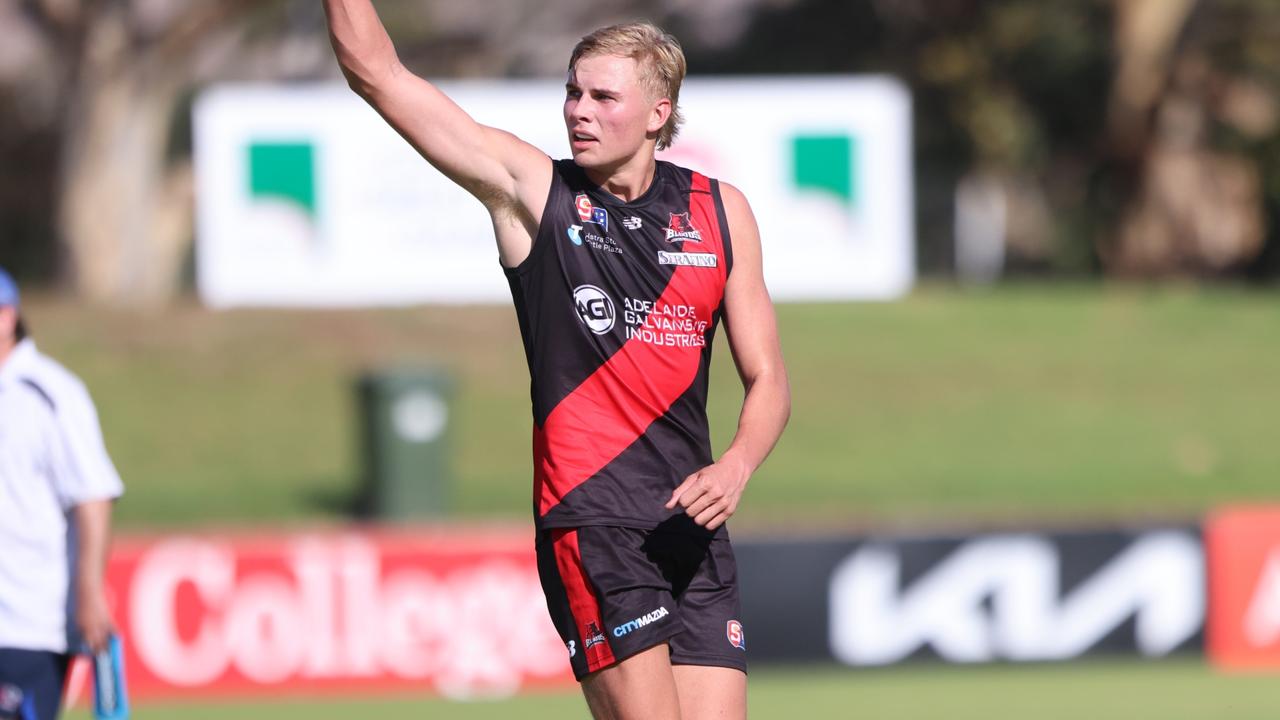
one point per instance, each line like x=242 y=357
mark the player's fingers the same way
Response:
x=712 y=517
x=697 y=507
x=680 y=491
x=717 y=521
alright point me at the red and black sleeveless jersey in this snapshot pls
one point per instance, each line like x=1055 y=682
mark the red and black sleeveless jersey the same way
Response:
x=618 y=303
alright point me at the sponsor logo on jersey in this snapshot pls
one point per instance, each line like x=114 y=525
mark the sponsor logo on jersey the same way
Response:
x=681 y=228
x=595 y=309
x=733 y=630
x=593 y=636
x=632 y=223
x=601 y=218
x=583 y=204
x=707 y=260
x=664 y=324
x=582 y=235
x=643 y=620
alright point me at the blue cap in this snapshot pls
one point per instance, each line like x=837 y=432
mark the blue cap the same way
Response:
x=8 y=290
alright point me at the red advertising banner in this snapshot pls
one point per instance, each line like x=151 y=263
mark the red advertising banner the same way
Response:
x=1243 y=548
x=460 y=613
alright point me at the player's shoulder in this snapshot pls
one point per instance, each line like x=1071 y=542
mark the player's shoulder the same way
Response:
x=61 y=388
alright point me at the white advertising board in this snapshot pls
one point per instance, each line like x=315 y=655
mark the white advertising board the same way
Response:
x=305 y=197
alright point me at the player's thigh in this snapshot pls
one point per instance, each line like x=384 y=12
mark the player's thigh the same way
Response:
x=708 y=692
x=642 y=687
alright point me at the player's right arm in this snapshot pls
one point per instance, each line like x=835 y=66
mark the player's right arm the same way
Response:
x=508 y=175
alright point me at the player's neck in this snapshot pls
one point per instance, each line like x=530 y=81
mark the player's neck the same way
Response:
x=6 y=349
x=628 y=181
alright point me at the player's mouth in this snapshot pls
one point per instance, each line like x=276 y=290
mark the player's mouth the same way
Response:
x=581 y=141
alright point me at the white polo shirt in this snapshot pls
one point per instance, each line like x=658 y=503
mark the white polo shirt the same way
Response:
x=51 y=458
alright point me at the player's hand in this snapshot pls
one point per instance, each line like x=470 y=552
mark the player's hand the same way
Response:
x=93 y=618
x=711 y=495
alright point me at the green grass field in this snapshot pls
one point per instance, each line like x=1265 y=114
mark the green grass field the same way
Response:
x=1170 y=690
x=1019 y=406
x=1055 y=404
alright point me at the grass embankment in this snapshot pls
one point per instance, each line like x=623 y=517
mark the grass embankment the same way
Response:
x=1002 y=406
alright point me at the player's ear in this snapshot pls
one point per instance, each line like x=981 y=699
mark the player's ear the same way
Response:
x=659 y=115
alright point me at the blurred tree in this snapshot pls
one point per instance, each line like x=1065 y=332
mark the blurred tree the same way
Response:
x=1133 y=136
x=1191 y=113
x=103 y=78
x=94 y=93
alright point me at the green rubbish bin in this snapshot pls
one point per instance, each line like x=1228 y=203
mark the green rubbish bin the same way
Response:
x=405 y=419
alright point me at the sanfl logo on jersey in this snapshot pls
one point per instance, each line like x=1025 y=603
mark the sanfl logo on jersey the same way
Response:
x=681 y=228
x=738 y=639
x=583 y=204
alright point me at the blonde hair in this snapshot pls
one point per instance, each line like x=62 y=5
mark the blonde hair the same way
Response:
x=658 y=55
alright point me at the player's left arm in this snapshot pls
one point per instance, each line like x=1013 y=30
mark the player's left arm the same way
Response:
x=711 y=495
x=93 y=533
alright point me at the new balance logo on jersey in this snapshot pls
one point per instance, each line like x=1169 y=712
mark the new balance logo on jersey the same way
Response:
x=681 y=228
x=595 y=308
x=640 y=622
x=632 y=223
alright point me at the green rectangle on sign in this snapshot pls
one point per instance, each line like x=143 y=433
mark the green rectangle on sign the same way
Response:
x=283 y=170
x=826 y=163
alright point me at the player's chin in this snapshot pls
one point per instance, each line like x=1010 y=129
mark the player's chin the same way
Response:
x=587 y=158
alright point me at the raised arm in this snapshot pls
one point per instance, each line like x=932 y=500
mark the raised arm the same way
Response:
x=505 y=173
x=711 y=495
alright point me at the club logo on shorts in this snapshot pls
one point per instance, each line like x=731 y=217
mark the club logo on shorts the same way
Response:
x=736 y=637
x=594 y=636
x=681 y=228
x=583 y=203
x=10 y=700
x=595 y=309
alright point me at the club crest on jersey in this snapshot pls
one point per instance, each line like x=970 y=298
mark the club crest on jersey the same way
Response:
x=736 y=637
x=583 y=204
x=681 y=228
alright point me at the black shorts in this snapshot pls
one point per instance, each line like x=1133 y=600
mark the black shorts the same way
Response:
x=31 y=683
x=615 y=591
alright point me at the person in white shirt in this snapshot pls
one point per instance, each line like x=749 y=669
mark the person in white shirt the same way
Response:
x=57 y=485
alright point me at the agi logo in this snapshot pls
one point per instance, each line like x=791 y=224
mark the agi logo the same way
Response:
x=595 y=308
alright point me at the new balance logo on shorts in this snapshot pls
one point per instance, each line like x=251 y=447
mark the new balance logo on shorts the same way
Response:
x=640 y=622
